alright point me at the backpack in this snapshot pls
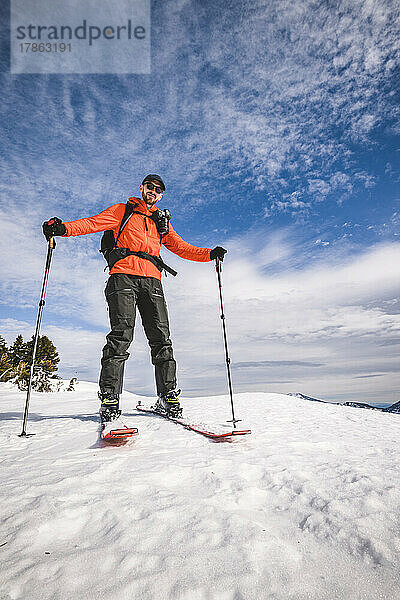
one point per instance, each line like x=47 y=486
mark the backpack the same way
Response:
x=108 y=241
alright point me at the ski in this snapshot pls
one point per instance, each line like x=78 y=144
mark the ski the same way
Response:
x=116 y=432
x=213 y=435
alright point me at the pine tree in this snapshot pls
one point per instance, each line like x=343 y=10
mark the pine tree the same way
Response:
x=6 y=365
x=15 y=363
x=46 y=364
x=46 y=354
x=18 y=351
x=19 y=357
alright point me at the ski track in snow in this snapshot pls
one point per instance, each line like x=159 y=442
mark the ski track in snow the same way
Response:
x=306 y=507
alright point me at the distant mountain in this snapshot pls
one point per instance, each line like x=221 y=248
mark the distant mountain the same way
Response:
x=303 y=397
x=394 y=408
x=362 y=405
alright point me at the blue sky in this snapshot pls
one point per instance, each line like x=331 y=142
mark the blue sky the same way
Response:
x=276 y=129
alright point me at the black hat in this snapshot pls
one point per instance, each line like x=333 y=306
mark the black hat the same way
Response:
x=154 y=178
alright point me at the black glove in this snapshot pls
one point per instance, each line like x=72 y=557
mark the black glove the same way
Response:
x=218 y=252
x=53 y=227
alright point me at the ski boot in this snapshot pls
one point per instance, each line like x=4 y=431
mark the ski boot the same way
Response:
x=168 y=404
x=109 y=409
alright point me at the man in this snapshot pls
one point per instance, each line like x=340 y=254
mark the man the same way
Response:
x=135 y=282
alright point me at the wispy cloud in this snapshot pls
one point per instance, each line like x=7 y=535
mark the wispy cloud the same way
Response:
x=268 y=84
x=276 y=363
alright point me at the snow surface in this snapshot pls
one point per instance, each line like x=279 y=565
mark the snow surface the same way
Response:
x=306 y=507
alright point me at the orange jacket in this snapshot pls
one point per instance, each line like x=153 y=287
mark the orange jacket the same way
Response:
x=140 y=234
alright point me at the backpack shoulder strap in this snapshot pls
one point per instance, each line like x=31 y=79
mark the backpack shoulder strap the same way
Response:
x=129 y=211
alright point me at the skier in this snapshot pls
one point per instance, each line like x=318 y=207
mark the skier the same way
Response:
x=138 y=231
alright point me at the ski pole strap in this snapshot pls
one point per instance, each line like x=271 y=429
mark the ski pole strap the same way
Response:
x=119 y=253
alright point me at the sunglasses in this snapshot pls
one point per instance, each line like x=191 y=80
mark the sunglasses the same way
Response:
x=156 y=188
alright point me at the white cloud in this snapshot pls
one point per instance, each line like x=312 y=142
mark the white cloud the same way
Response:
x=318 y=187
x=319 y=313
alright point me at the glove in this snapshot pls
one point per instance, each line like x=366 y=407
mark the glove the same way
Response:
x=218 y=252
x=53 y=227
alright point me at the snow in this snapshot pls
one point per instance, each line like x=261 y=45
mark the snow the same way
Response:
x=306 y=507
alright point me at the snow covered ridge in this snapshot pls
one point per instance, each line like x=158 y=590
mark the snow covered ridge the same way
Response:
x=393 y=408
x=306 y=507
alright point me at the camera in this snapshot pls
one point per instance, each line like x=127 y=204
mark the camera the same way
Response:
x=161 y=219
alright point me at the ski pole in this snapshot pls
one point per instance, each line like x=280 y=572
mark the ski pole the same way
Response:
x=51 y=246
x=228 y=360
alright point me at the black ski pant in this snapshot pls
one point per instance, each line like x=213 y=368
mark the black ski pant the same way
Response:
x=124 y=293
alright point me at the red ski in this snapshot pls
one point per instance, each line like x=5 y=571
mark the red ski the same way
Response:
x=117 y=433
x=216 y=436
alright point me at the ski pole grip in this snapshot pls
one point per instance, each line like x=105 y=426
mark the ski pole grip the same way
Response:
x=52 y=243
